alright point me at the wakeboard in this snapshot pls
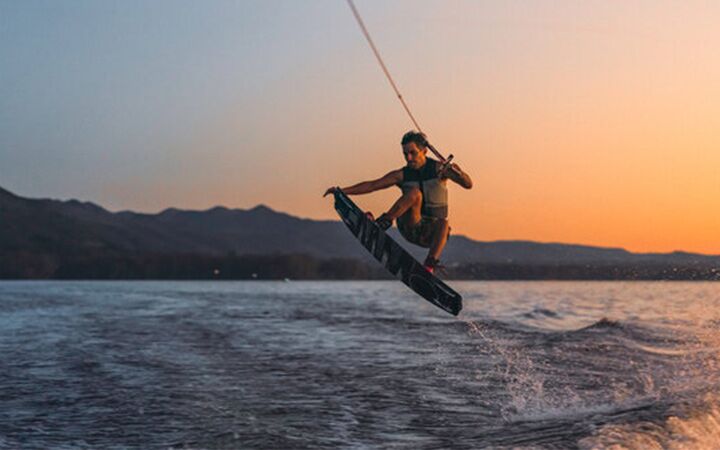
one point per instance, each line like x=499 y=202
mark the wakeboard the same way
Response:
x=395 y=258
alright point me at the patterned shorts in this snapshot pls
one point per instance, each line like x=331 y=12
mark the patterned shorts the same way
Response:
x=421 y=233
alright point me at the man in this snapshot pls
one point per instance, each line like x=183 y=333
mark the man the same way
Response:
x=421 y=212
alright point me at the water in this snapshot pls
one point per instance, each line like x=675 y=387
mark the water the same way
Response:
x=358 y=365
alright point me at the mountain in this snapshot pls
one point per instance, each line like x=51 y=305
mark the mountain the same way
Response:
x=44 y=234
x=57 y=227
x=460 y=249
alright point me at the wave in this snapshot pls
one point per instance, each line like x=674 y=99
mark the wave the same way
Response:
x=685 y=426
x=541 y=313
x=604 y=368
x=604 y=324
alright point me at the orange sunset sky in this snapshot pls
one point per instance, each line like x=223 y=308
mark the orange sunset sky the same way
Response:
x=589 y=122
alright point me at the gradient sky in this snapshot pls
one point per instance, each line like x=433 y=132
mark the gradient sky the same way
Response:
x=593 y=122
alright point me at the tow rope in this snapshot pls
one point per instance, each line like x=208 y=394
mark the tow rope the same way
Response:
x=443 y=160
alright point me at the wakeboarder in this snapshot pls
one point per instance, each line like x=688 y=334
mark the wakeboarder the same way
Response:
x=421 y=212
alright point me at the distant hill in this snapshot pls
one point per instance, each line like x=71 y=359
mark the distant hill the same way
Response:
x=463 y=250
x=56 y=227
x=44 y=234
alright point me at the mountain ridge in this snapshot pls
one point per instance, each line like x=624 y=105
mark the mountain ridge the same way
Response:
x=57 y=229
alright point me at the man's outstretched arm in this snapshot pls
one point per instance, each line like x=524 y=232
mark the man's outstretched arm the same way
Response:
x=390 y=179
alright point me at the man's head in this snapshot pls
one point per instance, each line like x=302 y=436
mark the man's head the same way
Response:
x=414 y=147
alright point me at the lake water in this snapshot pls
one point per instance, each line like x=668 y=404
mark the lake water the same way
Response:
x=283 y=365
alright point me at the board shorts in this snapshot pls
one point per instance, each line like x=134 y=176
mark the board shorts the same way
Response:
x=421 y=233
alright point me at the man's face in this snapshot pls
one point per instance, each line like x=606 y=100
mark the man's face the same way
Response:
x=414 y=155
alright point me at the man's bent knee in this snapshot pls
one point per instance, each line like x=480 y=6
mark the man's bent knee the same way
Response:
x=413 y=194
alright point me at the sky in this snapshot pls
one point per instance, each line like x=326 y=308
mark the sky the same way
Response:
x=593 y=122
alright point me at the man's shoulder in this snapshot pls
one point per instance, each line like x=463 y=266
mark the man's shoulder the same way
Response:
x=433 y=163
x=434 y=166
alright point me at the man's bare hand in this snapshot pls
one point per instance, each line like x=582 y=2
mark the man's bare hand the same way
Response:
x=450 y=169
x=455 y=173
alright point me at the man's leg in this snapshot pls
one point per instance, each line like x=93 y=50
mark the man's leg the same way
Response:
x=406 y=208
x=439 y=238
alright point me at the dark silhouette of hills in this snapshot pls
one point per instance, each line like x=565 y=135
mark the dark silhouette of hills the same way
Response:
x=464 y=250
x=42 y=238
x=53 y=226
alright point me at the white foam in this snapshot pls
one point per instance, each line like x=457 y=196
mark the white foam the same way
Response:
x=696 y=430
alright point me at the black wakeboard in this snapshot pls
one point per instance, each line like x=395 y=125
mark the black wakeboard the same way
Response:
x=395 y=258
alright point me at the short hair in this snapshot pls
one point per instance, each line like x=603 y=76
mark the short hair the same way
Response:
x=416 y=137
